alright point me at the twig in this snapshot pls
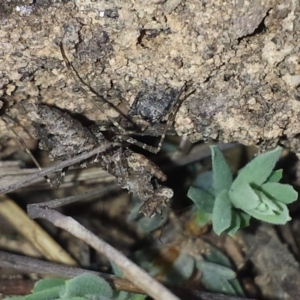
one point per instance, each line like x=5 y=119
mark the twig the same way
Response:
x=16 y=287
x=35 y=177
x=32 y=265
x=198 y=153
x=40 y=239
x=37 y=266
x=130 y=270
x=99 y=192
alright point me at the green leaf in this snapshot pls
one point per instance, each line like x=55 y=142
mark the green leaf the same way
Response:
x=235 y=223
x=46 y=289
x=214 y=255
x=116 y=270
x=222 y=177
x=202 y=218
x=221 y=271
x=240 y=220
x=264 y=209
x=44 y=284
x=237 y=287
x=271 y=204
x=93 y=297
x=216 y=278
x=245 y=219
x=275 y=176
x=48 y=294
x=128 y=296
x=243 y=196
x=138 y=297
x=202 y=199
x=121 y=295
x=86 y=284
x=281 y=217
x=221 y=216
x=217 y=284
x=181 y=270
x=281 y=192
x=259 y=169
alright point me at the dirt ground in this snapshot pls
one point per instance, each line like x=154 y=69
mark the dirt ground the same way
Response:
x=242 y=59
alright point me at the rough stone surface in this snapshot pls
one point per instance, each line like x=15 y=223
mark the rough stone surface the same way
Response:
x=242 y=57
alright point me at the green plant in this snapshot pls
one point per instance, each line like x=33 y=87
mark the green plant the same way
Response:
x=83 y=287
x=255 y=192
x=216 y=270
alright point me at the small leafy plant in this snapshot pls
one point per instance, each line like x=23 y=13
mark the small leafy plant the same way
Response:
x=255 y=192
x=216 y=270
x=83 y=287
